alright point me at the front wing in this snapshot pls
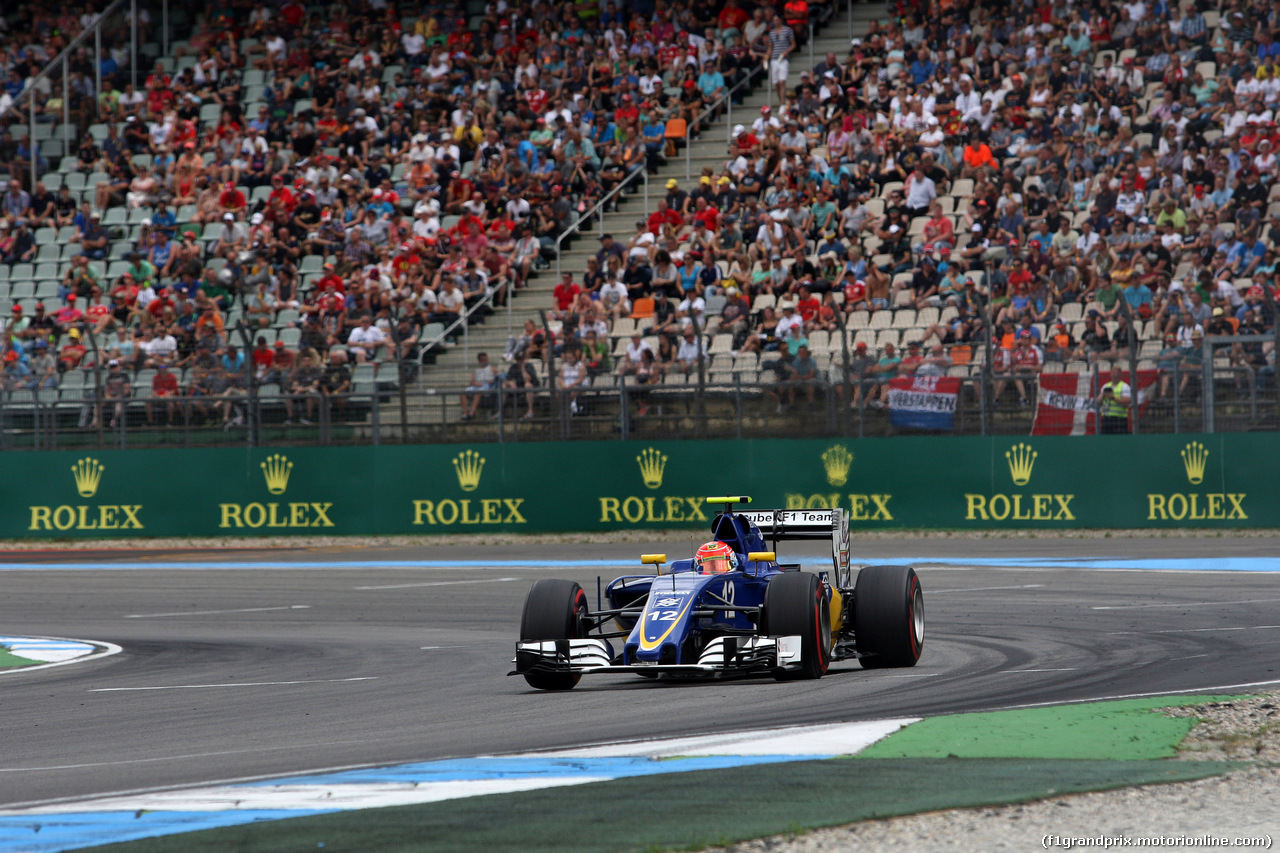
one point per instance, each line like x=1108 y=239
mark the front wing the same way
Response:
x=721 y=656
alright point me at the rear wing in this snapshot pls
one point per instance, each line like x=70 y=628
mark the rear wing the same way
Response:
x=781 y=525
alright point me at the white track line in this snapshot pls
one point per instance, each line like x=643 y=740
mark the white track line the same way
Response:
x=1197 y=630
x=218 y=612
x=988 y=588
x=1192 y=604
x=436 y=583
x=223 y=686
x=1217 y=688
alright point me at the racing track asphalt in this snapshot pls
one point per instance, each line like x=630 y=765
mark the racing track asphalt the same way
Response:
x=209 y=696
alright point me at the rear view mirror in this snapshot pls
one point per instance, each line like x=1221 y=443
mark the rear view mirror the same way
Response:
x=762 y=556
x=654 y=560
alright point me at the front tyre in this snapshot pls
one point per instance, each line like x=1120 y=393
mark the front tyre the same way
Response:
x=794 y=604
x=888 y=617
x=553 y=610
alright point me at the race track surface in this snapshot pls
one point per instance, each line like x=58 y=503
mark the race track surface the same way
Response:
x=236 y=673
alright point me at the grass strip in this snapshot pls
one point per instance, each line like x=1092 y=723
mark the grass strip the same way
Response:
x=682 y=811
x=8 y=658
x=1125 y=729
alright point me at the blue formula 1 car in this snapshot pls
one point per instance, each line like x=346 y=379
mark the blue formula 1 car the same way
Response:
x=731 y=610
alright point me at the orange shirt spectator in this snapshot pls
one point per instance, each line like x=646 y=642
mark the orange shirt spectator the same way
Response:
x=978 y=155
x=210 y=317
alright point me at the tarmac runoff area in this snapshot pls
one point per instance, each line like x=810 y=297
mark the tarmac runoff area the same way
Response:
x=284 y=650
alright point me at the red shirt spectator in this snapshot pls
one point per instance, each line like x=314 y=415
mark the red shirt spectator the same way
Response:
x=662 y=217
x=1028 y=356
x=68 y=315
x=128 y=290
x=627 y=113
x=708 y=217
x=331 y=281
x=159 y=100
x=293 y=14
x=231 y=198
x=162 y=301
x=1019 y=279
x=732 y=16
x=281 y=193
x=796 y=13
x=96 y=311
x=404 y=262
x=566 y=291
x=164 y=384
x=808 y=306
x=262 y=357
x=284 y=357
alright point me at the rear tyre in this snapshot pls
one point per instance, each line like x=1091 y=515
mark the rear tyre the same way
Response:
x=794 y=605
x=553 y=610
x=888 y=617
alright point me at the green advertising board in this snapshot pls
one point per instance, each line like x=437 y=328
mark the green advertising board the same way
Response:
x=926 y=482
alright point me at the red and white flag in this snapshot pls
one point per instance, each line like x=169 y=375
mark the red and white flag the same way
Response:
x=1065 y=402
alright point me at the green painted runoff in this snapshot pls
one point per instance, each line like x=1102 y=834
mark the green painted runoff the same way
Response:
x=9 y=659
x=1127 y=729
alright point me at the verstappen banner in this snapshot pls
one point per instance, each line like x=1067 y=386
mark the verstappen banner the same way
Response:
x=923 y=402
x=1065 y=402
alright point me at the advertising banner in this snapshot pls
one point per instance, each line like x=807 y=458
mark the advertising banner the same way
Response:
x=939 y=482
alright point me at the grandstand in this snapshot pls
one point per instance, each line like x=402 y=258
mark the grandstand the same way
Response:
x=1085 y=183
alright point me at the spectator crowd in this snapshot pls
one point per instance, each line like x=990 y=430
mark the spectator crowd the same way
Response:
x=1076 y=183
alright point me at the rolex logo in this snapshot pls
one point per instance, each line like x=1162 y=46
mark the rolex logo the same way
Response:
x=88 y=473
x=1021 y=459
x=468 y=465
x=836 y=460
x=652 y=465
x=276 y=470
x=1194 y=457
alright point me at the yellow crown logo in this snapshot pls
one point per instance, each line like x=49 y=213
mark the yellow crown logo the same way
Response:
x=1021 y=458
x=652 y=465
x=1194 y=457
x=276 y=470
x=468 y=466
x=836 y=460
x=88 y=473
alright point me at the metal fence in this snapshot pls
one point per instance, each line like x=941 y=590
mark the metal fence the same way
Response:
x=386 y=410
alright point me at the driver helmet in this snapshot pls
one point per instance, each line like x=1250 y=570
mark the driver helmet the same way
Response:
x=715 y=557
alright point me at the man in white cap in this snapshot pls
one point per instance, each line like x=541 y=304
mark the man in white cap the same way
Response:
x=231 y=235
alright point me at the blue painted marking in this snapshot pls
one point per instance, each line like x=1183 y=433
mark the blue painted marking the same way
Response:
x=56 y=832
x=51 y=833
x=1220 y=564
x=531 y=768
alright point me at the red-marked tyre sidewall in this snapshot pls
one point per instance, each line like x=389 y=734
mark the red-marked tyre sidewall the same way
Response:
x=795 y=605
x=888 y=617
